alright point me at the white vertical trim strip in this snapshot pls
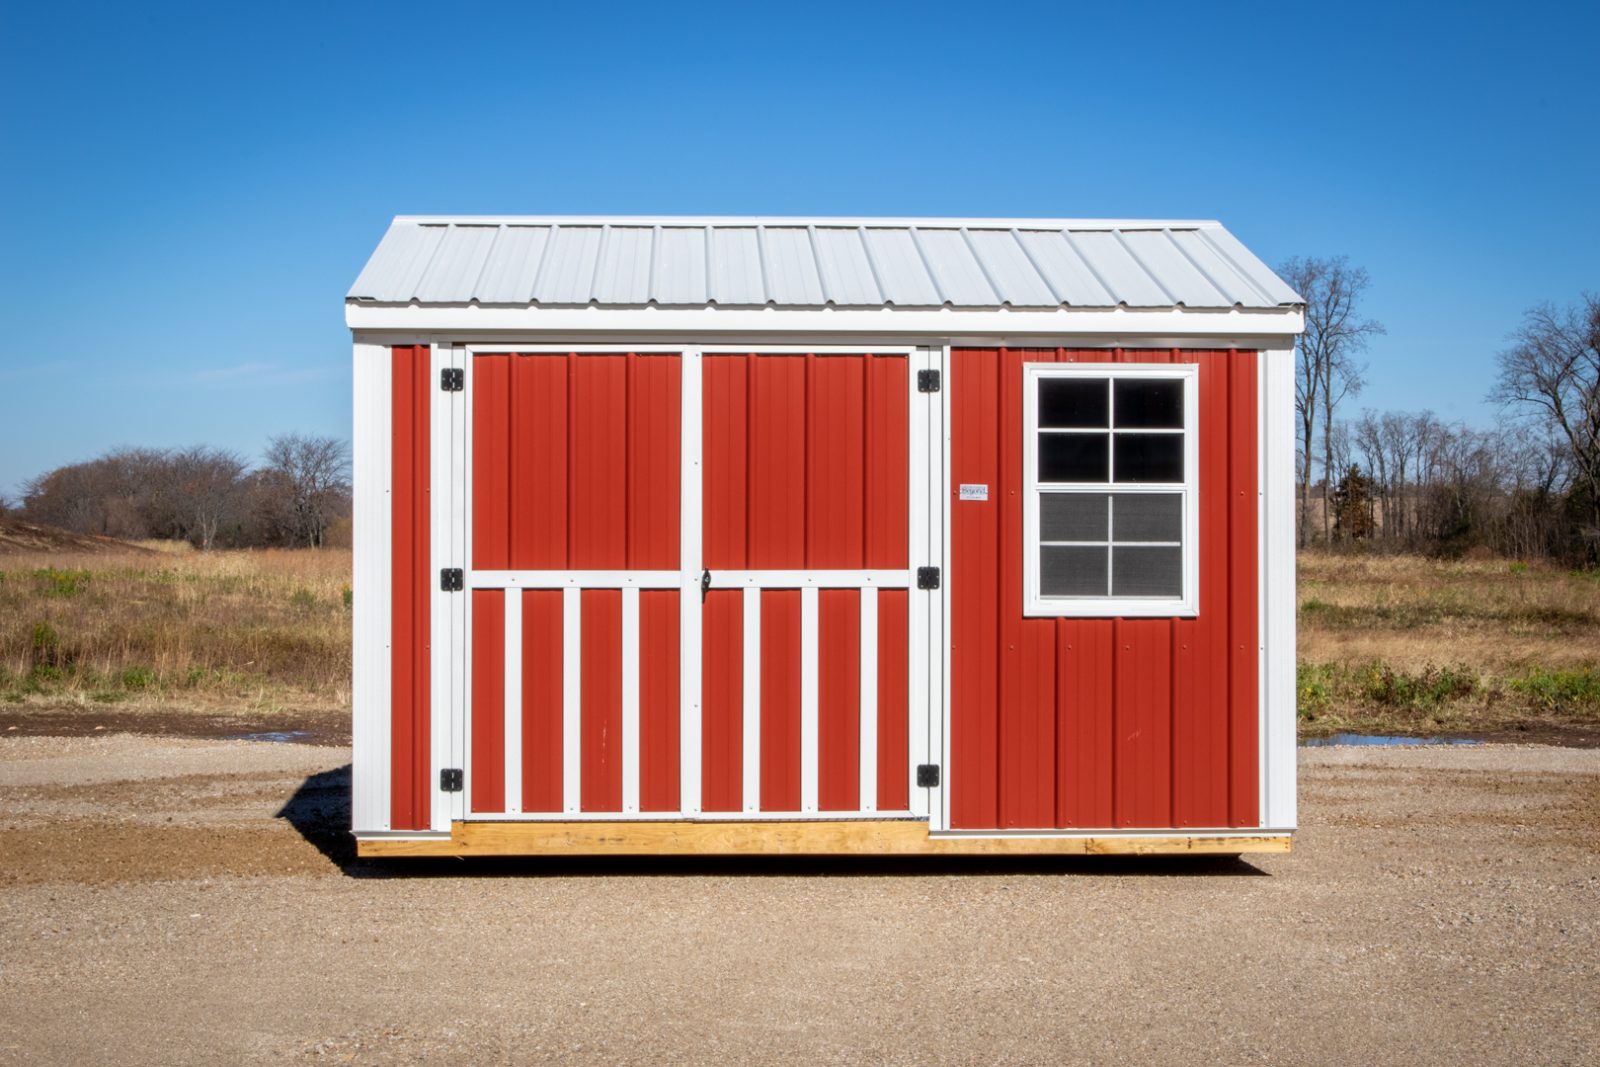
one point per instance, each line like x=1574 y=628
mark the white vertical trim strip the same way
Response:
x=869 y=701
x=939 y=547
x=808 y=700
x=371 y=595
x=630 y=701
x=461 y=496
x=752 y=700
x=1278 y=715
x=918 y=705
x=442 y=662
x=571 y=708
x=513 y=699
x=689 y=610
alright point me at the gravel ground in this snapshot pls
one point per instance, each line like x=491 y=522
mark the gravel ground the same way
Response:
x=178 y=901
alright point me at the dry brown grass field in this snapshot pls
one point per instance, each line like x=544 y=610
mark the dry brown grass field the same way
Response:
x=1404 y=643
x=1386 y=643
x=254 y=631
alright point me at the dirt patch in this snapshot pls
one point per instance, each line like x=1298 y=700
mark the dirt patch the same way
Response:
x=19 y=536
x=301 y=727
x=90 y=851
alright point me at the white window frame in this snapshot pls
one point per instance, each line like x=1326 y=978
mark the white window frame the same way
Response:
x=1034 y=603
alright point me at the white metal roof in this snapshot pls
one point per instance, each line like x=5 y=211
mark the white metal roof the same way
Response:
x=986 y=264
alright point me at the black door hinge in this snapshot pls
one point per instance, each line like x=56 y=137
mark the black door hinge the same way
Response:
x=927 y=577
x=450 y=780
x=452 y=379
x=927 y=381
x=927 y=776
x=451 y=580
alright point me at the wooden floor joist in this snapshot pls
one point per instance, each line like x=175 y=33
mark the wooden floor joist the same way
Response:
x=854 y=837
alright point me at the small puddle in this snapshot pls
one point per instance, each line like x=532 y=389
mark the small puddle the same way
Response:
x=1384 y=740
x=277 y=737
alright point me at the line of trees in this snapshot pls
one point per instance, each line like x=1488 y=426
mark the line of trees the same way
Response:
x=1528 y=487
x=299 y=495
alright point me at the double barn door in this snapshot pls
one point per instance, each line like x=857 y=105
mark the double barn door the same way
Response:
x=691 y=583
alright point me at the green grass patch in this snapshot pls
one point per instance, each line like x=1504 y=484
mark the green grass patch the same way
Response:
x=1567 y=691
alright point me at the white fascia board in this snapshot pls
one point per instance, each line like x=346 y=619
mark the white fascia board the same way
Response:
x=743 y=221
x=1109 y=326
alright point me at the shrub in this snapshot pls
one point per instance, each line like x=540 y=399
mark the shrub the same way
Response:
x=1560 y=690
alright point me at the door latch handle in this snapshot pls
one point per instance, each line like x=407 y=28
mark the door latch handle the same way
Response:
x=705 y=585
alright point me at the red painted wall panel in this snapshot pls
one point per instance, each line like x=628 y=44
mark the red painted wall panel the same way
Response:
x=1083 y=717
x=722 y=701
x=725 y=389
x=1244 y=649
x=1200 y=661
x=597 y=462
x=538 y=460
x=576 y=461
x=887 y=476
x=654 y=413
x=1101 y=722
x=600 y=701
x=780 y=700
x=805 y=461
x=776 y=492
x=974 y=591
x=488 y=778
x=542 y=700
x=410 y=791
x=893 y=700
x=838 y=699
x=491 y=450
x=835 y=474
x=658 y=700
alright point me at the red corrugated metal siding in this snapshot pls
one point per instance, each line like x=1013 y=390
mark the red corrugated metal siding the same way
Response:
x=838 y=700
x=805 y=462
x=893 y=700
x=542 y=705
x=409 y=680
x=600 y=701
x=575 y=461
x=780 y=700
x=488 y=785
x=658 y=700
x=722 y=701
x=1100 y=722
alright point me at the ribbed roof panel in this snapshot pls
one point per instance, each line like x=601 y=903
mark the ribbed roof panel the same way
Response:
x=810 y=263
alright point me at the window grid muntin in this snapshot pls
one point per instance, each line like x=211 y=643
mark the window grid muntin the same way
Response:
x=1112 y=603
x=1111 y=430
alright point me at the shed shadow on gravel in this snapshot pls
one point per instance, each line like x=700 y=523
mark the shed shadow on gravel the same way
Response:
x=320 y=812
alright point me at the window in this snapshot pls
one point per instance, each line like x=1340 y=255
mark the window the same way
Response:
x=1110 y=520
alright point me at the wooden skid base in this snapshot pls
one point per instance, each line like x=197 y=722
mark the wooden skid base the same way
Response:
x=856 y=837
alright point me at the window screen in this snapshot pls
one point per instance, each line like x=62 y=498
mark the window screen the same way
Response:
x=1110 y=492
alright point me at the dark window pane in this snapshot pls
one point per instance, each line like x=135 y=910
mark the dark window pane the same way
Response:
x=1074 y=402
x=1147 y=572
x=1147 y=517
x=1149 y=457
x=1150 y=403
x=1072 y=571
x=1073 y=457
x=1073 y=517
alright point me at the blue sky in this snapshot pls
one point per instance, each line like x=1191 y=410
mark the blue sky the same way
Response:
x=188 y=191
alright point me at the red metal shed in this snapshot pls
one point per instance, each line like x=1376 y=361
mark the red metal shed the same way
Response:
x=822 y=536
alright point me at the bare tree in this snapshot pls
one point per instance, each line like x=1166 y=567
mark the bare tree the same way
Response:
x=309 y=480
x=207 y=490
x=1551 y=375
x=1327 y=372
